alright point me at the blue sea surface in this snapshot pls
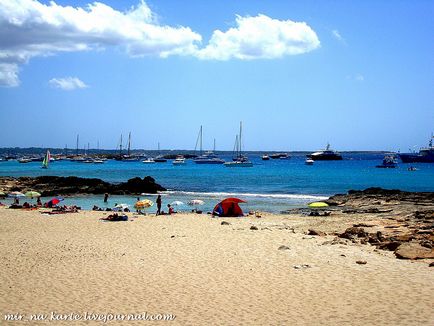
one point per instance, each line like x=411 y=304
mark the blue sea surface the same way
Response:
x=273 y=185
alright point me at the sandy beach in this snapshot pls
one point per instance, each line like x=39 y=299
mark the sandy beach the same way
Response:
x=204 y=272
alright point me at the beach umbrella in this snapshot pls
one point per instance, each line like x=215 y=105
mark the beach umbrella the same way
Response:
x=16 y=194
x=56 y=200
x=141 y=204
x=32 y=194
x=318 y=204
x=177 y=203
x=196 y=202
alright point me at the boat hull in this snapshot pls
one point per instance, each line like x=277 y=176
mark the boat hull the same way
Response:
x=416 y=158
x=325 y=157
x=238 y=164
x=208 y=161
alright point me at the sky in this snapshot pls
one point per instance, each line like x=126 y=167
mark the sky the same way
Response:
x=298 y=74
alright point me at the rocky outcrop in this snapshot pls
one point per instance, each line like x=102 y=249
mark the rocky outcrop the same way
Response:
x=395 y=220
x=52 y=185
x=375 y=196
x=413 y=250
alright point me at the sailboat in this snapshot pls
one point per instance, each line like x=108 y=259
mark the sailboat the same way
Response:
x=160 y=158
x=46 y=160
x=239 y=160
x=208 y=157
x=129 y=157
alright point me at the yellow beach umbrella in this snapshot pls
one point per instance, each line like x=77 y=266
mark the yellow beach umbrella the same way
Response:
x=32 y=194
x=318 y=204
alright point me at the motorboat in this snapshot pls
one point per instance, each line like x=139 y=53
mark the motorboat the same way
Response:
x=425 y=155
x=284 y=156
x=179 y=160
x=149 y=160
x=160 y=159
x=309 y=161
x=24 y=160
x=265 y=157
x=389 y=161
x=326 y=154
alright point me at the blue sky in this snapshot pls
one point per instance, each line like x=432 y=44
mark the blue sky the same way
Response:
x=299 y=74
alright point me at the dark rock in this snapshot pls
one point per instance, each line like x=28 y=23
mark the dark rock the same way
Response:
x=392 y=246
x=353 y=232
x=225 y=223
x=361 y=262
x=253 y=227
x=283 y=248
x=431 y=264
x=53 y=185
x=316 y=232
x=413 y=250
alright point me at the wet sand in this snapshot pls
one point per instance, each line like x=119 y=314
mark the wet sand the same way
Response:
x=204 y=272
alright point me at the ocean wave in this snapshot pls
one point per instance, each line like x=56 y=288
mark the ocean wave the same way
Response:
x=238 y=194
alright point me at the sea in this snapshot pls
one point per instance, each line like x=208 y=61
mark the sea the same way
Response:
x=273 y=186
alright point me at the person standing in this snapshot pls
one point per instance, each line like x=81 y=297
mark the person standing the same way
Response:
x=158 y=201
x=105 y=197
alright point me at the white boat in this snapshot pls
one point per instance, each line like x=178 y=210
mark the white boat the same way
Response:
x=265 y=157
x=179 y=160
x=149 y=160
x=24 y=160
x=309 y=161
x=97 y=161
x=239 y=160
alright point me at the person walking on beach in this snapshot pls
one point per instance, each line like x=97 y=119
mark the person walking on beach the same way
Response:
x=105 y=197
x=158 y=201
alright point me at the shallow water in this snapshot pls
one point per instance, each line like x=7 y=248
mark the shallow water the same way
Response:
x=273 y=185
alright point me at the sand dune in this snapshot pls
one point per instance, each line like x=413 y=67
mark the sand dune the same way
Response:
x=204 y=272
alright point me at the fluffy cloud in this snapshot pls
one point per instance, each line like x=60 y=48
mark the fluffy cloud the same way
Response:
x=260 y=37
x=67 y=83
x=29 y=28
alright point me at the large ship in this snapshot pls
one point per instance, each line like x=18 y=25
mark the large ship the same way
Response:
x=425 y=155
x=325 y=155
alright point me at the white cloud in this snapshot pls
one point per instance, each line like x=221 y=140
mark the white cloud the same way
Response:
x=338 y=36
x=9 y=74
x=260 y=37
x=29 y=28
x=67 y=83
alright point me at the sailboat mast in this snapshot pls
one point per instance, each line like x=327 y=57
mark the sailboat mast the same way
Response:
x=78 y=136
x=120 y=147
x=129 y=143
x=241 y=128
x=214 y=146
x=200 y=140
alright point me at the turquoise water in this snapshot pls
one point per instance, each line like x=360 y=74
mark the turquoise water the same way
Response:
x=273 y=185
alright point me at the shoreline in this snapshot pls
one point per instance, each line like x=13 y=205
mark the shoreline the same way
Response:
x=248 y=270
